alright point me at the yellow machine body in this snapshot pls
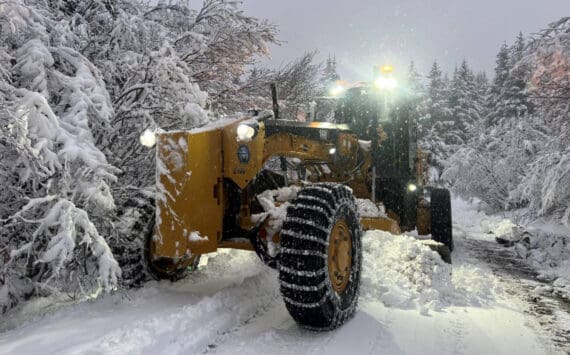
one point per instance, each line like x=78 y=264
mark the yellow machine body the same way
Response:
x=193 y=165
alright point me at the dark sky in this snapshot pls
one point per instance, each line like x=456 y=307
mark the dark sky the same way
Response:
x=363 y=33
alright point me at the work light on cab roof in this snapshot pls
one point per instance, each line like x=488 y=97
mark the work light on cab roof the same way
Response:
x=384 y=80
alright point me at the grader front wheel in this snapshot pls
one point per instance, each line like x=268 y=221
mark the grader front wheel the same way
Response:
x=321 y=256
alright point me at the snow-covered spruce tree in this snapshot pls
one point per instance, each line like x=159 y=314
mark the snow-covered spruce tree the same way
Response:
x=454 y=109
x=482 y=88
x=437 y=96
x=522 y=158
x=491 y=165
x=418 y=100
x=329 y=74
x=436 y=119
x=465 y=104
x=508 y=95
x=55 y=181
x=501 y=73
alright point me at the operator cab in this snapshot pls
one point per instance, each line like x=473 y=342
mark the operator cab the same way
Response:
x=388 y=121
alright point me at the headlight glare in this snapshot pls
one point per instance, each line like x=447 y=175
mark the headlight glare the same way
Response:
x=148 y=138
x=245 y=133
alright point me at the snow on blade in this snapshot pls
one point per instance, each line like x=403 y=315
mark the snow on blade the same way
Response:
x=367 y=208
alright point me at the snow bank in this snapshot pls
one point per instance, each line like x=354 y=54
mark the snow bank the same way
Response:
x=543 y=246
x=403 y=272
x=549 y=254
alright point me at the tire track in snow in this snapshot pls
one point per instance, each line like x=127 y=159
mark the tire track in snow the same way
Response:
x=520 y=281
x=189 y=329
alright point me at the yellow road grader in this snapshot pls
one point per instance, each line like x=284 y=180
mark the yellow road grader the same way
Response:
x=290 y=192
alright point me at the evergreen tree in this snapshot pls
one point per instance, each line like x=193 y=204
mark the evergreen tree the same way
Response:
x=330 y=75
x=465 y=103
x=414 y=87
x=515 y=97
x=501 y=69
x=414 y=79
x=482 y=83
x=495 y=92
x=508 y=93
x=482 y=88
x=437 y=95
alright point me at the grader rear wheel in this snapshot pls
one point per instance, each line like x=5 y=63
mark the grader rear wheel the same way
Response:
x=441 y=225
x=321 y=257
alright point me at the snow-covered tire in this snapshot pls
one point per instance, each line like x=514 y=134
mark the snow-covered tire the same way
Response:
x=132 y=247
x=319 y=214
x=441 y=225
x=129 y=248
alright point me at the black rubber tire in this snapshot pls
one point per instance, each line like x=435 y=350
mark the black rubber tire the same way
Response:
x=303 y=271
x=442 y=250
x=409 y=217
x=132 y=247
x=441 y=225
x=129 y=246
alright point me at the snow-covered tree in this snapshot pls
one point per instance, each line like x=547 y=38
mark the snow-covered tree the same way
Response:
x=437 y=95
x=522 y=158
x=298 y=84
x=546 y=187
x=437 y=118
x=79 y=82
x=56 y=180
x=454 y=109
x=329 y=74
x=508 y=95
x=465 y=104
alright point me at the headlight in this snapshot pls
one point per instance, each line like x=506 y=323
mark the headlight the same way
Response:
x=412 y=187
x=245 y=133
x=332 y=151
x=336 y=90
x=386 y=83
x=148 y=138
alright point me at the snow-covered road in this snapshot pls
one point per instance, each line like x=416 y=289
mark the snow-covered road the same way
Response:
x=410 y=304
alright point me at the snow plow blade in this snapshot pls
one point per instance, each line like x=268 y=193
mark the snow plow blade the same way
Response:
x=382 y=223
x=189 y=193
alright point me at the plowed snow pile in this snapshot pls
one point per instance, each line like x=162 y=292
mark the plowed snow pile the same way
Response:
x=411 y=303
x=402 y=272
